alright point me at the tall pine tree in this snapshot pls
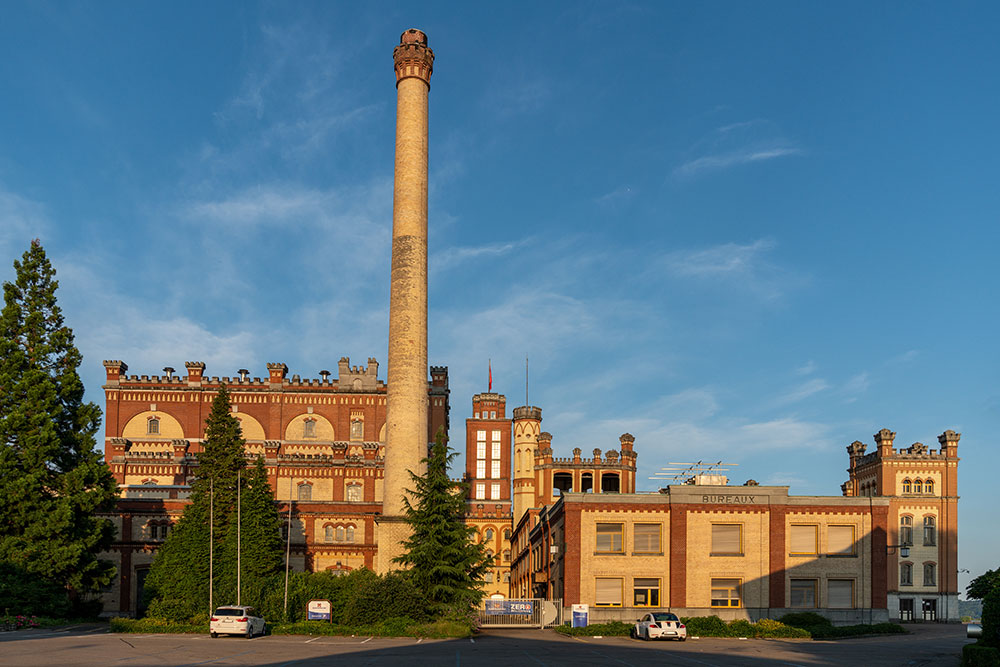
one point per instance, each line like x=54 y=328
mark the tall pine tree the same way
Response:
x=53 y=480
x=444 y=561
x=177 y=586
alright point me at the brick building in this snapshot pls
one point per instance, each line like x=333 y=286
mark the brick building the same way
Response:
x=323 y=443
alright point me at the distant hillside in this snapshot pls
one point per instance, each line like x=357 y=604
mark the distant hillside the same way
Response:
x=973 y=608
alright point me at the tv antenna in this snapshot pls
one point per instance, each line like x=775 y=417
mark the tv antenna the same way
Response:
x=685 y=473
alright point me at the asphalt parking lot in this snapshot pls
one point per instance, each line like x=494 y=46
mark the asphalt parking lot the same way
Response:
x=94 y=645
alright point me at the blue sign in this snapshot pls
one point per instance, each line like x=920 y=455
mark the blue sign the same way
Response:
x=518 y=607
x=319 y=610
x=581 y=613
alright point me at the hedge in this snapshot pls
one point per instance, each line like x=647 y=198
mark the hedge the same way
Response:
x=791 y=626
x=390 y=627
x=977 y=655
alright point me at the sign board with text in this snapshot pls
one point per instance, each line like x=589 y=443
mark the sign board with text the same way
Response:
x=319 y=610
x=517 y=607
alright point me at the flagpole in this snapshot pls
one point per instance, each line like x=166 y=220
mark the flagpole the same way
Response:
x=288 y=550
x=211 y=543
x=239 y=527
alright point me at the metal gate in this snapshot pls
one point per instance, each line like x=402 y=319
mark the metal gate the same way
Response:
x=525 y=613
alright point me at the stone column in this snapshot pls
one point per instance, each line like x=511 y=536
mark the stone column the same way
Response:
x=406 y=377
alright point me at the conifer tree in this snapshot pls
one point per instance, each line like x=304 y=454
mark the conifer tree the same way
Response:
x=178 y=581
x=53 y=481
x=444 y=561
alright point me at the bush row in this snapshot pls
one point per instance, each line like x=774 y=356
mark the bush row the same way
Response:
x=390 y=627
x=977 y=655
x=790 y=626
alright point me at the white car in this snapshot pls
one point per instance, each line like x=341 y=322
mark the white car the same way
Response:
x=660 y=625
x=233 y=620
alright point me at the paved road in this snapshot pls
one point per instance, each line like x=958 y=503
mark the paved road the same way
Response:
x=93 y=645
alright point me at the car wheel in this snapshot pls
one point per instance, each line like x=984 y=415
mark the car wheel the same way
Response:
x=213 y=635
x=645 y=635
x=683 y=639
x=249 y=631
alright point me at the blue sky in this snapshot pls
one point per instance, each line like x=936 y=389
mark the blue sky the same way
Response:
x=753 y=232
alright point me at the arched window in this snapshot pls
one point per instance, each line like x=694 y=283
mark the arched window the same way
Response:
x=506 y=533
x=929 y=486
x=354 y=492
x=930 y=578
x=918 y=486
x=154 y=532
x=930 y=531
x=489 y=534
x=349 y=533
x=340 y=533
x=328 y=533
x=305 y=491
x=506 y=555
x=906 y=530
x=489 y=554
x=907 y=488
x=906 y=574
x=153 y=426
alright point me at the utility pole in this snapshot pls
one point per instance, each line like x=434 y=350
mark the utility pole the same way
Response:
x=288 y=551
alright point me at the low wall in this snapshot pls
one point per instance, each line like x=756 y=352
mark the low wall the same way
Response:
x=836 y=616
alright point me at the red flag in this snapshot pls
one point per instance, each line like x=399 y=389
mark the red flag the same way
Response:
x=491 y=375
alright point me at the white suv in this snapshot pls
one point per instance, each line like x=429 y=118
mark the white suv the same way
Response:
x=232 y=620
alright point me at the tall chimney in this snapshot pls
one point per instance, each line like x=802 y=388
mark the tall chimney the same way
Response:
x=406 y=377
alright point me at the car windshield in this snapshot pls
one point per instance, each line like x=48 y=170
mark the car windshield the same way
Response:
x=228 y=611
x=664 y=617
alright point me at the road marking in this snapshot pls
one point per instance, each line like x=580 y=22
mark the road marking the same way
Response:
x=420 y=640
x=313 y=639
x=472 y=640
x=367 y=640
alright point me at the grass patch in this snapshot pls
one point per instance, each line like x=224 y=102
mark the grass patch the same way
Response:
x=156 y=626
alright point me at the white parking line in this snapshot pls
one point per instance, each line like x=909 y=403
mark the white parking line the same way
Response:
x=310 y=641
x=367 y=640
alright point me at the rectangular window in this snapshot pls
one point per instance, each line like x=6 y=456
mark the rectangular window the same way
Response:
x=609 y=538
x=608 y=592
x=803 y=593
x=480 y=469
x=496 y=449
x=480 y=491
x=496 y=435
x=840 y=541
x=481 y=436
x=480 y=450
x=929 y=578
x=495 y=492
x=727 y=539
x=305 y=491
x=495 y=470
x=726 y=592
x=645 y=592
x=493 y=414
x=803 y=540
x=840 y=594
x=646 y=538
x=906 y=574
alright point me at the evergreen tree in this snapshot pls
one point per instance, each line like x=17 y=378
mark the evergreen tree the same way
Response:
x=177 y=585
x=444 y=561
x=53 y=481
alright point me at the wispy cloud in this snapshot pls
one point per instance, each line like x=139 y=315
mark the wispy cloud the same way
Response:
x=856 y=386
x=740 y=143
x=451 y=257
x=21 y=220
x=804 y=390
x=807 y=368
x=716 y=162
x=726 y=260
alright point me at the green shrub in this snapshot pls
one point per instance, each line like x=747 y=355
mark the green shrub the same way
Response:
x=157 y=626
x=991 y=618
x=706 y=626
x=770 y=628
x=977 y=655
x=806 y=619
x=611 y=629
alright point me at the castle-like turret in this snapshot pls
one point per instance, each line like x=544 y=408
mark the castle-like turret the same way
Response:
x=527 y=427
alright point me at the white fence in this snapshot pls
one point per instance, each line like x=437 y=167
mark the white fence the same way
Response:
x=527 y=613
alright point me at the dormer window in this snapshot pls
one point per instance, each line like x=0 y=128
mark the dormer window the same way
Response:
x=153 y=426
